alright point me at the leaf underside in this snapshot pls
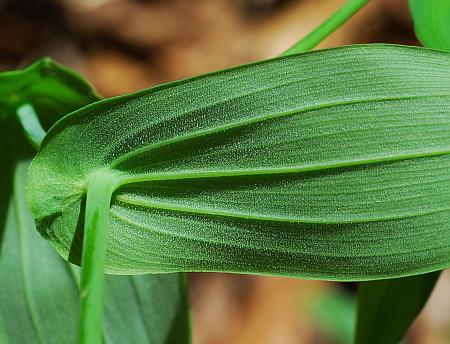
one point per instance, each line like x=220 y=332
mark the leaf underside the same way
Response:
x=432 y=22
x=331 y=164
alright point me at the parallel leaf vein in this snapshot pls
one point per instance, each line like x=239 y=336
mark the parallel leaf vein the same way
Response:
x=195 y=134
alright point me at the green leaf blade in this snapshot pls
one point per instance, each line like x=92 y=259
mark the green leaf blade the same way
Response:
x=391 y=305
x=159 y=303
x=52 y=89
x=6 y=175
x=33 y=311
x=325 y=165
x=138 y=309
x=432 y=22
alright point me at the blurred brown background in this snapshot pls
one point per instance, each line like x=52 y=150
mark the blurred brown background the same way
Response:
x=122 y=46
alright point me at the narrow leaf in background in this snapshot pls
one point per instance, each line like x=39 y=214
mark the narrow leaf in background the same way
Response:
x=331 y=164
x=147 y=309
x=330 y=25
x=38 y=295
x=6 y=176
x=386 y=308
x=432 y=22
x=39 y=292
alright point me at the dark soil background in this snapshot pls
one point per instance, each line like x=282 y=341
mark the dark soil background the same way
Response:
x=123 y=46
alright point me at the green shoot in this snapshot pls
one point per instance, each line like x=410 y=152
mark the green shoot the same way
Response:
x=330 y=25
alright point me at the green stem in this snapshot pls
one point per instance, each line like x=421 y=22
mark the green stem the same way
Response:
x=100 y=187
x=31 y=125
x=327 y=27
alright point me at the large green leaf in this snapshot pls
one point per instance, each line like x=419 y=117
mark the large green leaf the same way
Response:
x=388 y=307
x=432 y=22
x=39 y=292
x=331 y=164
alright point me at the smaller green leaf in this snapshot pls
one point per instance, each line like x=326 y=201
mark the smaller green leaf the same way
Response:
x=391 y=305
x=52 y=89
x=38 y=295
x=6 y=174
x=147 y=309
x=39 y=292
x=37 y=97
x=331 y=24
x=432 y=22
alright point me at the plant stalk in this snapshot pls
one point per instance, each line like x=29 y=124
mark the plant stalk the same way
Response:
x=100 y=187
x=331 y=24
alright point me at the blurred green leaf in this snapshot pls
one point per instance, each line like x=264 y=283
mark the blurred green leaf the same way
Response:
x=334 y=314
x=386 y=308
x=332 y=164
x=432 y=22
